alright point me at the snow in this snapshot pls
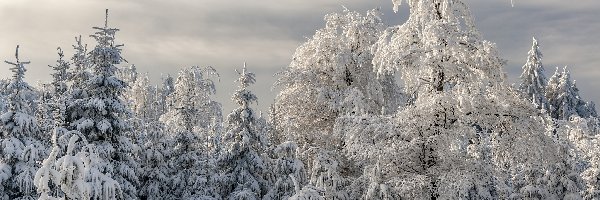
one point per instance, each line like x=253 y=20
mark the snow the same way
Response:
x=342 y=126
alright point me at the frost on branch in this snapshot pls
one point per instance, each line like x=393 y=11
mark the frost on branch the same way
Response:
x=437 y=48
x=78 y=172
x=332 y=75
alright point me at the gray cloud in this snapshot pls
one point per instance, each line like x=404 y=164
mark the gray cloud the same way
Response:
x=163 y=36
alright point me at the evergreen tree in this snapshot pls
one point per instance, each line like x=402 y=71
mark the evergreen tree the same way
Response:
x=98 y=111
x=21 y=149
x=53 y=95
x=191 y=105
x=192 y=120
x=241 y=160
x=60 y=75
x=563 y=95
x=3 y=95
x=155 y=171
x=167 y=88
x=286 y=172
x=533 y=80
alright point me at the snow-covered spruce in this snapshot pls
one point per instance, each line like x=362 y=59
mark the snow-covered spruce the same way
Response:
x=98 y=112
x=533 y=80
x=241 y=160
x=20 y=147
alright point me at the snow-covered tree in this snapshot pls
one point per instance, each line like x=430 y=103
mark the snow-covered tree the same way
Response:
x=98 y=112
x=437 y=48
x=283 y=167
x=242 y=161
x=166 y=89
x=564 y=99
x=326 y=175
x=43 y=106
x=533 y=80
x=54 y=95
x=332 y=74
x=80 y=70
x=562 y=95
x=591 y=175
x=577 y=172
x=21 y=149
x=307 y=193
x=155 y=171
x=192 y=120
x=465 y=127
x=192 y=107
x=3 y=95
x=128 y=74
x=75 y=172
x=142 y=99
x=60 y=75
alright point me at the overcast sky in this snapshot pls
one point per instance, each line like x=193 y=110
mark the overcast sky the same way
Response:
x=161 y=36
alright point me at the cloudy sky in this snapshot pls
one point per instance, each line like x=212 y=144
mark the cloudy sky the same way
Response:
x=161 y=37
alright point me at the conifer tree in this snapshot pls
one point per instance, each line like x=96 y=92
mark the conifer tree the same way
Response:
x=286 y=172
x=241 y=160
x=533 y=80
x=60 y=75
x=98 y=111
x=191 y=121
x=562 y=95
x=21 y=149
x=155 y=171
x=53 y=95
x=166 y=89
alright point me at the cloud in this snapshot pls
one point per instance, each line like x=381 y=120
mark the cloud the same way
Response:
x=162 y=36
x=566 y=32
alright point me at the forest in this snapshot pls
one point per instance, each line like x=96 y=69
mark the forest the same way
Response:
x=420 y=110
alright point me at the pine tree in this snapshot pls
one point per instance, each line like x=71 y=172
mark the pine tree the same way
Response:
x=3 y=96
x=98 y=111
x=533 y=80
x=191 y=105
x=21 y=149
x=286 y=172
x=53 y=95
x=562 y=95
x=241 y=160
x=191 y=120
x=155 y=171
x=60 y=75
x=167 y=88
